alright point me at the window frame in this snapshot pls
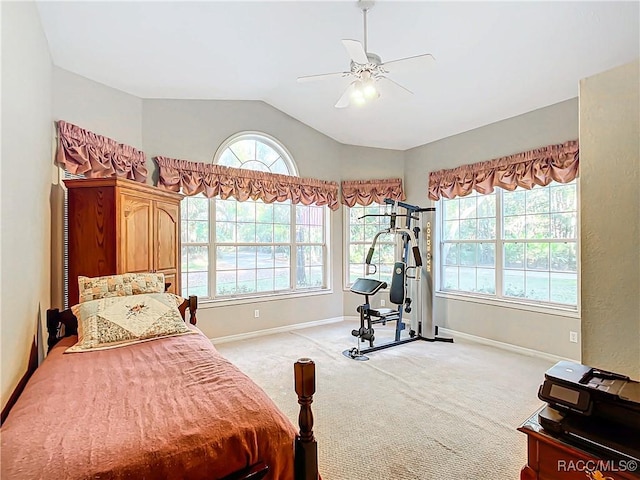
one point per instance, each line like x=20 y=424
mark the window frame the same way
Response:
x=498 y=299
x=212 y=244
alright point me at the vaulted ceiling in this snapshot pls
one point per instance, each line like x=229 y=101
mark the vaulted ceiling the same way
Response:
x=494 y=60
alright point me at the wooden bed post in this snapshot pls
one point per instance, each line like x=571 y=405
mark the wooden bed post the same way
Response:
x=193 y=305
x=306 y=447
x=53 y=324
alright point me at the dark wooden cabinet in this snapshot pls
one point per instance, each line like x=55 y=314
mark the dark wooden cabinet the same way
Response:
x=552 y=458
x=119 y=226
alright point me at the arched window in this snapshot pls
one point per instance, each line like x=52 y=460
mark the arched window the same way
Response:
x=251 y=248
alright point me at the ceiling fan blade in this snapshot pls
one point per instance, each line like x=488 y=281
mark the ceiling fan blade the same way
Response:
x=414 y=61
x=322 y=76
x=356 y=51
x=395 y=84
x=343 y=101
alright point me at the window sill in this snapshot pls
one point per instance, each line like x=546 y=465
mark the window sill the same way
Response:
x=227 y=302
x=514 y=304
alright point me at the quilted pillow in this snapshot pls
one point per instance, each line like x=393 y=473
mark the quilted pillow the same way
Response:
x=115 y=321
x=93 y=288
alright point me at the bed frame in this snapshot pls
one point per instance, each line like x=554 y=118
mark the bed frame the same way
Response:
x=64 y=324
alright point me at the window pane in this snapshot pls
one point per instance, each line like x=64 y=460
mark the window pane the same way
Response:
x=450 y=278
x=564 y=257
x=451 y=209
x=225 y=232
x=537 y=226
x=537 y=256
x=450 y=254
x=486 y=205
x=467 y=279
x=486 y=280
x=563 y=225
x=246 y=281
x=537 y=200
x=282 y=257
x=467 y=253
x=228 y=159
x=468 y=207
x=246 y=257
x=514 y=255
x=487 y=255
x=537 y=285
x=281 y=233
x=514 y=283
x=246 y=211
x=282 y=214
x=356 y=271
x=486 y=228
x=264 y=233
x=226 y=258
x=514 y=202
x=282 y=281
x=279 y=166
x=245 y=150
x=302 y=233
x=197 y=258
x=226 y=282
x=563 y=198
x=198 y=208
x=468 y=229
x=264 y=212
x=451 y=230
x=265 y=280
x=265 y=257
x=226 y=210
x=267 y=154
x=246 y=232
x=515 y=227
x=197 y=231
x=564 y=288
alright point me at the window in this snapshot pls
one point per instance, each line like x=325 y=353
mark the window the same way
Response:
x=361 y=233
x=233 y=249
x=514 y=245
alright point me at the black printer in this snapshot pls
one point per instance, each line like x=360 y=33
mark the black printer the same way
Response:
x=593 y=408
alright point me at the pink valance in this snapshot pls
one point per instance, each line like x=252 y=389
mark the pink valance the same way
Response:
x=366 y=192
x=536 y=167
x=82 y=152
x=218 y=180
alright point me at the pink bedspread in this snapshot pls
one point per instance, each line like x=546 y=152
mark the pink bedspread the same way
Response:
x=171 y=408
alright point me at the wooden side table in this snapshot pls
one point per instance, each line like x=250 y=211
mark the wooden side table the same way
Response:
x=550 y=457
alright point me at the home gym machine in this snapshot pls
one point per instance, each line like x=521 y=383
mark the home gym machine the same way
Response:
x=416 y=279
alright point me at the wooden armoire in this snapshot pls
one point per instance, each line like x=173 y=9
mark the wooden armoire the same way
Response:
x=120 y=226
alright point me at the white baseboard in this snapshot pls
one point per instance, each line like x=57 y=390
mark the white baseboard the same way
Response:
x=271 y=331
x=505 y=346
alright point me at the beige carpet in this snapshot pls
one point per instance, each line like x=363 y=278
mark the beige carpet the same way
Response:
x=416 y=411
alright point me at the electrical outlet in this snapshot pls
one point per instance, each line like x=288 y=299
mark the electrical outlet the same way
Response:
x=382 y=303
x=256 y=313
x=573 y=337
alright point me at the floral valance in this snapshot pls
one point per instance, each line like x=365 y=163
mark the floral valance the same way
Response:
x=536 y=167
x=82 y=152
x=218 y=180
x=365 y=192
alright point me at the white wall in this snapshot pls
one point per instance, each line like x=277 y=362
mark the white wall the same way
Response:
x=610 y=219
x=26 y=186
x=550 y=125
x=96 y=107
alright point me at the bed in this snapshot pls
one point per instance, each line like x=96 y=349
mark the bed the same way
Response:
x=170 y=408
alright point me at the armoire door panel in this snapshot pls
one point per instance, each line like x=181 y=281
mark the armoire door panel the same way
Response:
x=167 y=231
x=136 y=235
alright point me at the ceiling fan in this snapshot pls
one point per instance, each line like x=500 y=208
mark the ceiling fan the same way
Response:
x=367 y=69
